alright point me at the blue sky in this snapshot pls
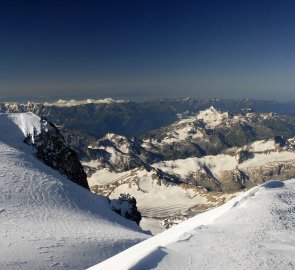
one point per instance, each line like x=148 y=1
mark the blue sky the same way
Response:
x=147 y=49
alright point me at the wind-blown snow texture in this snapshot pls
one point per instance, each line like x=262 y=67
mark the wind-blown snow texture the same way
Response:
x=252 y=231
x=47 y=221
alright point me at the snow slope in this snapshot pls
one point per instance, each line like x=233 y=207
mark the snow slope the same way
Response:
x=155 y=197
x=47 y=221
x=220 y=163
x=252 y=231
x=183 y=167
x=212 y=117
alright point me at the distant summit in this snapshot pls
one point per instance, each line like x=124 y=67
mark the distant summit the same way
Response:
x=73 y=102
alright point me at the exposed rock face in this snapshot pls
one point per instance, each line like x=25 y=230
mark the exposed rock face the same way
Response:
x=280 y=141
x=243 y=155
x=233 y=180
x=135 y=175
x=237 y=179
x=210 y=132
x=126 y=207
x=119 y=153
x=243 y=135
x=237 y=168
x=273 y=170
x=204 y=179
x=53 y=151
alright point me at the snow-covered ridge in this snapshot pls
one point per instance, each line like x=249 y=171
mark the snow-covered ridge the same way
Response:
x=156 y=197
x=74 y=102
x=46 y=220
x=210 y=131
x=120 y=142
x=212 y=117
x=153 y=197
x=28 y=122
x=224 y=175
x=16 y=126
x=251 y=231
x=264 y=151
x=193 y=127
x=35 y=106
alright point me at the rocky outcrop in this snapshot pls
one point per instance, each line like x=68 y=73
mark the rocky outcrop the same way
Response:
x=273 y=170
x=126 y=207
x=52 y=149
x=205 y=179
x=119 y=153
x=237 y=179
x=280 y=141
x=233 y=180
x=243 y=155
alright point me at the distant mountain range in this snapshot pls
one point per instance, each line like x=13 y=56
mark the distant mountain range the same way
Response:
x=171 y=160
x=195 y=163
x=98 y=117
x=200 y=152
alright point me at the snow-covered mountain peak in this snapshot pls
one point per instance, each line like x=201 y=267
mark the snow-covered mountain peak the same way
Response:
x=118 y=153
x=116 y=145
x=114 y=137
x=212 y=117
x=73 y=102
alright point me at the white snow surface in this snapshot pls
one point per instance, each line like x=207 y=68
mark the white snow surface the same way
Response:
x=104 y=176
x=263 y=145
x=27 y=122
x=252 y=231
x=212 y=117
x=183 y=167
x=189 y=128
x=153 y=198
x=219 y=163
x=119 y=141
x=47 y=221
x=15 y=127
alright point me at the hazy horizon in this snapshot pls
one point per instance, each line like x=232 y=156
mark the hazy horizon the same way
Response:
x=42 y=99
x=148 y=49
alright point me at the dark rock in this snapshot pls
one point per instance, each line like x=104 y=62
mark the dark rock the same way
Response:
x=128 y=152
x=233 y=180
x=52 y=149
x=280 y=141
x=126 y=207
x=243 y=155
x=205 y=179
x=236 y=179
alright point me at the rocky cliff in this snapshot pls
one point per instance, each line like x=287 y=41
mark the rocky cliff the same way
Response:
x=53 y=150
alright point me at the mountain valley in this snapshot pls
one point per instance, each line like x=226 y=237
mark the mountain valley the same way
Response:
x=159 y=179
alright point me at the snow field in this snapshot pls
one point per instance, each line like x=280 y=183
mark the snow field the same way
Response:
x=252 y=231
x=47 y=221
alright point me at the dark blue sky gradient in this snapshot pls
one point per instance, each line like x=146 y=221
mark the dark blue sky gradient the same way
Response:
x=145 y=49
